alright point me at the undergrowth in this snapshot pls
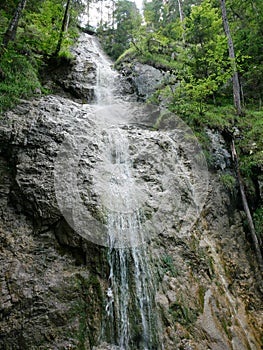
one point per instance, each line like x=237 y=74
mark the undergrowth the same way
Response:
x=19 y=79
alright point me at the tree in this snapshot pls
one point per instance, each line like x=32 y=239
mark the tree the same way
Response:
x=50 y=28
x=246 y=24
x=63 y=28
x=246 y=207
x=181 y=12
x=204 y=66
x=180 y=5
x=153 y=13
x=10 y=34
x=127 y=21
x=235 y=78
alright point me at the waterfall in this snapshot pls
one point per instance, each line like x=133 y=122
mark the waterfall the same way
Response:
x=106 y=76
x=121 y=186
x=130 y=292
x=127 y=258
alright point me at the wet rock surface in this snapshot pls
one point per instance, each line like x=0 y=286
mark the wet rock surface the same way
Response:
x=54 y=281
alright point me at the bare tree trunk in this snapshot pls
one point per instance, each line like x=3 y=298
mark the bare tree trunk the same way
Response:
x=67 y=23
x=236 y=87
x=10 y=34
x=246 y=208
x=181 y=13
x=63 y=28
x=113 y=14
x=88 y=12
x=101 y=14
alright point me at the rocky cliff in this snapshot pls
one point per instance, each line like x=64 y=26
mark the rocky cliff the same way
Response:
x=54 y=279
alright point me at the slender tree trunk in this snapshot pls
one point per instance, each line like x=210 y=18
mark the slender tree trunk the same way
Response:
x=113 y=14
x=180 y=5
x=67 y=23
x=10 y=34
x=181 y=13
x=101 y=13
x=88 y=11
x=236 y=86
x=63 y=28
x=246 y=207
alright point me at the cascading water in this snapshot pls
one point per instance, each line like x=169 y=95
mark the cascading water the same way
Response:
x=128 y=261
x=106 y=76
x=129 y=270
x=122 y=185
x=119 y=185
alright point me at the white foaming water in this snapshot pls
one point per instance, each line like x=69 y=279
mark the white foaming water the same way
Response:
x=130 y=281
x=129 y=270
x=118 y=185
x=106 y=76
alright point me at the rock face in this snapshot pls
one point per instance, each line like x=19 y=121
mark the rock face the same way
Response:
x=143 y=79
x=221 y=157
x=54 y=280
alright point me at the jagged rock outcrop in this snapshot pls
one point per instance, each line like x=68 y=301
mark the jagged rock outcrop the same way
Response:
x=143 y=78
x=46 y=290
x=54 y=281
x=74 y=77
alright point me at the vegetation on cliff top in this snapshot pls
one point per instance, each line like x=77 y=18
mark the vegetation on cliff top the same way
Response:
x=29 y=38
x=185 y=38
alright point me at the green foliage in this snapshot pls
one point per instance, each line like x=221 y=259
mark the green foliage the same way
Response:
x=228 y=181
x=200 y=64
x=8 y=6
x=181 y=313
x=127 y=21
x=154 y=48
x=246 y=21
x=201 y=67
x=3 y=23
x=205 y=64
x=153 y=13
x=167 y=266
x=159 y=14
x=36 y=40
x=21 y=79
x=250 y=143
x=201 y=294
x=40 y=30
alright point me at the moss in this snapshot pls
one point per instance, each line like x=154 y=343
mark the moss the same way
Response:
x=167 y=266
x=182 y=314
x=127 y=55
x=226 y=325
x=201 y=294
x=228 y=181
x=88 y=309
